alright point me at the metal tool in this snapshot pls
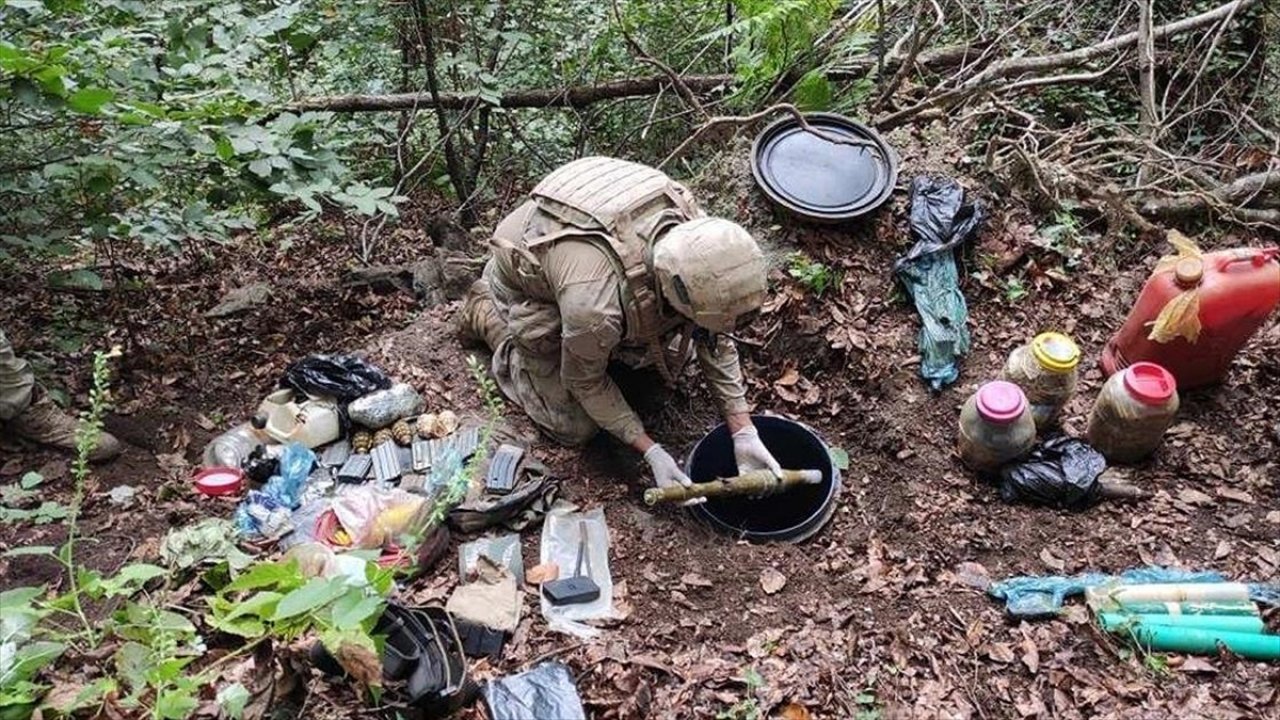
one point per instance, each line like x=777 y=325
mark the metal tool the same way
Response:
x=580 y=588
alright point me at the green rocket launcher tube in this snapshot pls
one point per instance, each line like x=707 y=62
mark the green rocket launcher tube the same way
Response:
x=1166 y=638
x=757 y=483
x=1112 y=622
x=1225 y=607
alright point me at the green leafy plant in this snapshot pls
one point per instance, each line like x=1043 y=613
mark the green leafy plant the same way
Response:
x=25 y=492
x=869 y=707
x=748 y=708
x=1014 y=289
x=815 y=276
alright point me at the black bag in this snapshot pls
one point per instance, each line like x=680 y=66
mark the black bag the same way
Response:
x=342 y=377
x=1062 y=472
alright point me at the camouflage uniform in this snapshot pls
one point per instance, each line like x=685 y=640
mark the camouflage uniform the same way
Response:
x=16 y=381
x=570 y=287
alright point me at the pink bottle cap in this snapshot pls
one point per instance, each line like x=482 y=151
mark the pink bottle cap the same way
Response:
x=1149 y=383
x=1001 y=402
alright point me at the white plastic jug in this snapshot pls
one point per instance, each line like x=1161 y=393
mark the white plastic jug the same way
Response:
x=313 y=422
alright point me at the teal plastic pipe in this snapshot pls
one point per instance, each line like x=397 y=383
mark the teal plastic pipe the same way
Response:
x=1112 y=622
x=1164 y=638
x=1226 y=607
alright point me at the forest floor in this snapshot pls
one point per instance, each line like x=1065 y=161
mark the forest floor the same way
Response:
x=873 y=620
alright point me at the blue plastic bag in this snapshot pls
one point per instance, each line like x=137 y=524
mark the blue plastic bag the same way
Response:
x=265 y=511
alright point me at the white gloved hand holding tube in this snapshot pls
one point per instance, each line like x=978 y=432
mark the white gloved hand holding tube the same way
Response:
x=666 y=472
x=751 y=454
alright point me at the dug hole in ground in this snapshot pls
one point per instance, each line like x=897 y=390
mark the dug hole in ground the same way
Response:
x=867 y=619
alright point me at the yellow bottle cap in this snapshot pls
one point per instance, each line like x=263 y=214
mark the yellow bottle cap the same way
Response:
x=1055 y=352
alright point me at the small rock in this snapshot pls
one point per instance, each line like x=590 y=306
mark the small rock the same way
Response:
x=695 y=580
x=1194 y=497
x=772 y=581
x=123 y=495
x=239 y=299
x=1052 y=561
x=974 y=575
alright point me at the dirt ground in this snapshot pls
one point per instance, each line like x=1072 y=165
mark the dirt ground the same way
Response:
x=873 y=620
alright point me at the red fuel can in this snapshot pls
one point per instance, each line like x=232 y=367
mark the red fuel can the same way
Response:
x=1236 y=291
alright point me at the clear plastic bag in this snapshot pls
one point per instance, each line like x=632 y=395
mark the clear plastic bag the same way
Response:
x=560 y=541
x=374 y=517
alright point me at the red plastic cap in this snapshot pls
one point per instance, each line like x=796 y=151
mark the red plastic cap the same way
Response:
x=1149 y=383
x=1001 y=402
x=217 y=481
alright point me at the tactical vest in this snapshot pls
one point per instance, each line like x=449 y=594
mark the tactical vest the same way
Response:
x=622 y=207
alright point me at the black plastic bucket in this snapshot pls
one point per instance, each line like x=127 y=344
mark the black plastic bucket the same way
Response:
x=790 y=516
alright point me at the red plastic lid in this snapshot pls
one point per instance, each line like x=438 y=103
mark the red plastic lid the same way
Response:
x=216 y=481
x=1001 y=402
x=1149 y=383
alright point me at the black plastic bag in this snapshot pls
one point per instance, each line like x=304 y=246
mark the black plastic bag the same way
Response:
x=941 y=220
x=543 y=693
x=1062 y=472
x=343 y=377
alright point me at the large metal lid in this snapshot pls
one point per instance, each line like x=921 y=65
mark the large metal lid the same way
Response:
x=820 y=180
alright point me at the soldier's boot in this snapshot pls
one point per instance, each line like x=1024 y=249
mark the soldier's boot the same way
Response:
x=479 y=319
x=45 y=423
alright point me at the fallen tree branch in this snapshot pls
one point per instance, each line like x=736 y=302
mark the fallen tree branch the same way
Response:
x=738 y=120
x=677 y=82
x=1231 y=197
x=999 y=70
x=577 y=96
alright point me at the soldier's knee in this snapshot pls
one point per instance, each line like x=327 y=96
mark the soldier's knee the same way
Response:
x=574 y=434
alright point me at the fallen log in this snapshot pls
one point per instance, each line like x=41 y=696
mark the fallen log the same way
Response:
x=1230 y=198
x=576 y=96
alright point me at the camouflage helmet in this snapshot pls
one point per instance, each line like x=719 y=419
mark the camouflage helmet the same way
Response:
x=712 y=271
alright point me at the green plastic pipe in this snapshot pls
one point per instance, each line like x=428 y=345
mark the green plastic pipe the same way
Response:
x=1226 y=607
x=1230 y=623
x=1163 y=638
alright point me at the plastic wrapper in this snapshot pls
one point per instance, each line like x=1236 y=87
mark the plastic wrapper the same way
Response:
x=503 y=550
x=381 y=408
x=560 y=542
x=1034 y=596
x=261 y=515
x=1062 y=473
x=296 y=463
x=342 y=377
x=546 y=691
x=374 y=517
x=318 y=560
x=941 y=220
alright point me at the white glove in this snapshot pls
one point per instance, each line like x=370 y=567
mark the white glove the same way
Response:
x=751 y=454
x=666 y=472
